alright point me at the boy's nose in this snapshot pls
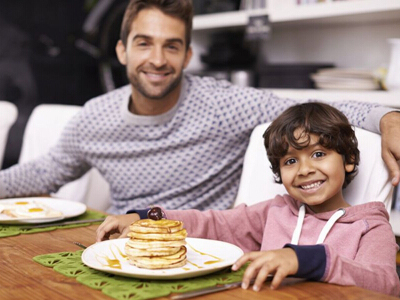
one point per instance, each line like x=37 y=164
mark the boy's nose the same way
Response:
x=305 y=167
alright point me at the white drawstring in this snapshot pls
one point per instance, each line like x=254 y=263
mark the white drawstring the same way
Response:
x=332 y=220
x=299 y=225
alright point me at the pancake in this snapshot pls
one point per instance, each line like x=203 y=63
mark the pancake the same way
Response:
x=177 y=259
x=174 y=236
x=134 y=252
x=156 y=226
x=144 y=244
x=146 y=265
x=156 y=244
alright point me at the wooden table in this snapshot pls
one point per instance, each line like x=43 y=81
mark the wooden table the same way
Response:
x=22 y=278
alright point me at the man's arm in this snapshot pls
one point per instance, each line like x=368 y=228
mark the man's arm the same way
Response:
x=46 y=174
x=390 y=130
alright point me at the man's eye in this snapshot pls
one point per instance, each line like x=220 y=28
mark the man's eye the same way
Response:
x=290 y=161
x=142 y=44
x=172 y=47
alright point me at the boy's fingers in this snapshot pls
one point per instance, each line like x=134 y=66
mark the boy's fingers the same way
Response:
x=261 y=277
x=277 y=280
x=124 y=233
x=240 y=262
x=105 y=229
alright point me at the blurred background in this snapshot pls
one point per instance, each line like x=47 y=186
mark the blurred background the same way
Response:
x=62 y=51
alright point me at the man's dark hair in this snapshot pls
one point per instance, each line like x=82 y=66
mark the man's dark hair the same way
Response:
x=181 y=9
x=325 y=121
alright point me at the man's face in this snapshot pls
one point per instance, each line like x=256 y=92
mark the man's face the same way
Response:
x=155 y=54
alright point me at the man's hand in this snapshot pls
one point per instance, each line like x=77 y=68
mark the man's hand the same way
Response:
x=115 y=224
x=390 y=130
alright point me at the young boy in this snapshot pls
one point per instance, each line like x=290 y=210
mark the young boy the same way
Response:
x=313 y=232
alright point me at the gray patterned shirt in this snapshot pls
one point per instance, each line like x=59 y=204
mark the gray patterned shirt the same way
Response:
x=189 y=157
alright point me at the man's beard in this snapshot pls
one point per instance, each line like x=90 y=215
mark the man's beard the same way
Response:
x=136 y=83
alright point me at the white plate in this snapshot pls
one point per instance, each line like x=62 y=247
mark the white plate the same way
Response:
x=203 y=257
x=68 y=209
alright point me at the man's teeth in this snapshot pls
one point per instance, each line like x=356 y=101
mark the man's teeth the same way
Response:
x=311 y=186
x=155 y=75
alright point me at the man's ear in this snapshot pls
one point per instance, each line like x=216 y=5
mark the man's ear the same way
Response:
x=121 y=52
x=188 y=57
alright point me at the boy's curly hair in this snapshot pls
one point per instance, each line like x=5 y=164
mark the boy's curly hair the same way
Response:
x=323 y=120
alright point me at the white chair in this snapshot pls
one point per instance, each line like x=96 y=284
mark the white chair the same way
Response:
x=8 y=116
x=372 y=183
x=42 y=131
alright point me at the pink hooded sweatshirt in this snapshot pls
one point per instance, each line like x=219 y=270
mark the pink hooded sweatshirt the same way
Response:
x=358 y=249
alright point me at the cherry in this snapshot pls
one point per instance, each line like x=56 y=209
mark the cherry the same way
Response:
x=155 y=213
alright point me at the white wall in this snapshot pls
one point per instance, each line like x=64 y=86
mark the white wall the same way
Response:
x=357 y=45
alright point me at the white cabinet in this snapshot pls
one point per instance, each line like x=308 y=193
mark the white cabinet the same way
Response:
x=226 y=19
x=288 y=12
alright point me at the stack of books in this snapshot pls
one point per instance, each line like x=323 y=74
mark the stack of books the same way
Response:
x=346 y=79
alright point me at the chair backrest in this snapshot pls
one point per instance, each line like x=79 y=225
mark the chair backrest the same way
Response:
x=42 y=131
x=8 y=116
x=372 y=182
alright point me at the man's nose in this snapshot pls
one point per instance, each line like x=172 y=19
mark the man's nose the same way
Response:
x=157 y=57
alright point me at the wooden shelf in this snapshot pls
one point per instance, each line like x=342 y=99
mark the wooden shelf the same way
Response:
x=226 y=19
x=386 y=98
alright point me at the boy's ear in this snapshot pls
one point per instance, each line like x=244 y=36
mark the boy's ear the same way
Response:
x=349 y=168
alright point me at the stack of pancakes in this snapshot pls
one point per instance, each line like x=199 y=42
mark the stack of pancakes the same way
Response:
x=156 y=244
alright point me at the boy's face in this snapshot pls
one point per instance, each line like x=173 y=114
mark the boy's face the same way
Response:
x=314 y=175
x=155 y=54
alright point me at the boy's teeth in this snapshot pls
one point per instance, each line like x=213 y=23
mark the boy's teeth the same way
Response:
x=312 y=185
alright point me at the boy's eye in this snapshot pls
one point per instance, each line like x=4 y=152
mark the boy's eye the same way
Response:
x=318 y=154
x=290 y=161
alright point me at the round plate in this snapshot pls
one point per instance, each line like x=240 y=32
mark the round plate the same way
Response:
x=203 y=257
x=68 y=209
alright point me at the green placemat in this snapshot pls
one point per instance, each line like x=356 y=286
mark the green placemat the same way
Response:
x=123 y=288
x=11 y=230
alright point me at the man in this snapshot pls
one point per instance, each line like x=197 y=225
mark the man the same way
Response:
x=168 y=138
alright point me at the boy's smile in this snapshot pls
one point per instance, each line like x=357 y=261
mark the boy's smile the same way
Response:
x=314 y=175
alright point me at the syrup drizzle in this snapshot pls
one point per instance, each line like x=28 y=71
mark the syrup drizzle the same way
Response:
x=112 y=262
x=210 y=262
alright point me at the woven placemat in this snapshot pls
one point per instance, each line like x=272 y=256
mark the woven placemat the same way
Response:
x=123 y=288
x=7 y=230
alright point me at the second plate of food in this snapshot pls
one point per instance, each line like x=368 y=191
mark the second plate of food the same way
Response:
x=38 y=210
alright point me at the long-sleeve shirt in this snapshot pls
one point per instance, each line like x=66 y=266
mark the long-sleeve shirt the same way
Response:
x=360 y=249
x=188 y=157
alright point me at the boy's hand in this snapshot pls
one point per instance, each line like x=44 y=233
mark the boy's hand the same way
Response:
x=115 y=224
x=282 y=262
